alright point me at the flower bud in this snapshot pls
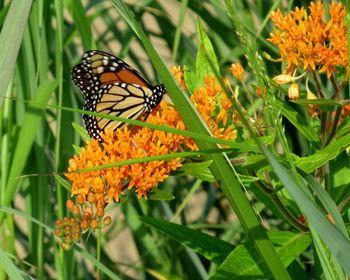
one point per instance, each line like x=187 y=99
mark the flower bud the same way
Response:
x=107 y=221
x=81 y=199
x=237 y=70
x=68 y=238
x=93 y=224
x=76 y=210
x=72 y=221
x=100 y=203
x=70 y=204
x=91 y=198
x=66 y=246
x=59 y=223
x=283 y=79
x=293 y=91
x=65 y=221
x=73 y=165
x=86 y=216
x=77 y=228
x=84 y=224
x=76 y=236
x=100 y=212
x=67 y=230
x=58 y=232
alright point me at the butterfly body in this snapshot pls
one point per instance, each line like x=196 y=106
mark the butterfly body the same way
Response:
x=112 y=87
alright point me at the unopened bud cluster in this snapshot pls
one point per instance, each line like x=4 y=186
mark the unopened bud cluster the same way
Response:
x=88 y=215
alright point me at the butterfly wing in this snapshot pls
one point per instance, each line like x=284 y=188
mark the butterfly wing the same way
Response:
x=111 y=86
x=102 y=68
x=123 y=100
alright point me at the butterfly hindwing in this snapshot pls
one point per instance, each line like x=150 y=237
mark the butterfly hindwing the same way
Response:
x=129 y=101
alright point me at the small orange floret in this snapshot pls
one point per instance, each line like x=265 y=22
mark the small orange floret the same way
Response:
x=237 y=70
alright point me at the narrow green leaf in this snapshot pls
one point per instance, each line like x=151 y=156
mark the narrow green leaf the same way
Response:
x=7 y=265
x=214 y=249
x=26 y=138
x=10 y=40
x=83 y=24
x=81 y=131
x=243 y=262
x=157 y=194
x=318 y=159
x=203 y=68
x=328 y=102
x=330 y=266
x=338 y=244
x=63 y=182
x=190 y=80
x=198 y=169
x=297 y=120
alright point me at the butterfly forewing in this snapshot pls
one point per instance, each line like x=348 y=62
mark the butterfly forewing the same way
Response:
x=110 y=69
x=112 y=87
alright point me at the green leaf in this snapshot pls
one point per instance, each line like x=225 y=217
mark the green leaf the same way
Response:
x=328 y=102
x=339 y=177
x=310 y=163
x=157 y=194
x=65 y=183
x=297 y=120
x=82 y=23
x=198 y=169
x=10 y=41
x=203 y=68
x=242 y=264
x=242 y=260
x=343 y=128
x=7 y=265
x=190 y=79
x=81 y=131
x=337 y=242
x=26 y=138
x=214 y=249
x=77 y=149
x=255 y=162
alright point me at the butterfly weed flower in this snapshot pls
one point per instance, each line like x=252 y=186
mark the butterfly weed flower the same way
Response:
x=310 y=42
x=95 y=189
x=237 y=70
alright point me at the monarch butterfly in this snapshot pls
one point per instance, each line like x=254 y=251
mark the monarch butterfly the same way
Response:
x=111 y=86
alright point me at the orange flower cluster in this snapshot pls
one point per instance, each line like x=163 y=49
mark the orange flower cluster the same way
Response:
x=308 y=41
x=132 y=143
x=95 y=189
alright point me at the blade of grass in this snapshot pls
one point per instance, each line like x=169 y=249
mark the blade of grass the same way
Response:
x=25 y=141
x=11 y=269
x=15 y=23
x=178 y=31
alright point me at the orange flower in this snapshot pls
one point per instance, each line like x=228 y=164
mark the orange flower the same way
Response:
x=178 y=73
x=310 y=42
x=237 y=70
